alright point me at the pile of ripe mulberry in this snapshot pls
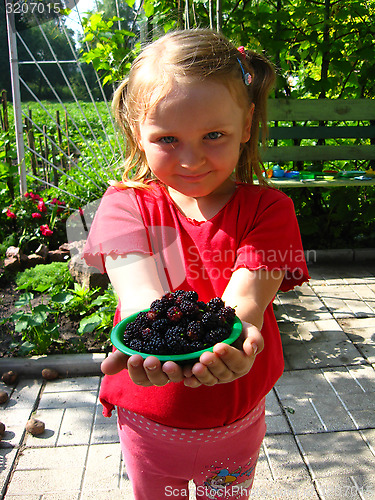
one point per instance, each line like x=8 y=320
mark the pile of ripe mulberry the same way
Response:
x=179 y=323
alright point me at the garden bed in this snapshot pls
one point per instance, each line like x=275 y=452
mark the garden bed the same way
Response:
x=69 y=340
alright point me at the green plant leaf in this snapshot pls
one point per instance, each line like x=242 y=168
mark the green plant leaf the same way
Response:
x=39 y=315
x=21 y=325
x=88 y=325
x=26 y=348
x=52 y=330
x=24 y=300
x=62 y=298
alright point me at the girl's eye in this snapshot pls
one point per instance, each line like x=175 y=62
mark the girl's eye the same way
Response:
x=214 y=135
x=169 y=139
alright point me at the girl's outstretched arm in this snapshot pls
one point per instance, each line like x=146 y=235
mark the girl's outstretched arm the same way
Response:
x=250 y=292
x=137 y=283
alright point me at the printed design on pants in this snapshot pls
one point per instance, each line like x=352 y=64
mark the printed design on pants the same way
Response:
x=231 y=481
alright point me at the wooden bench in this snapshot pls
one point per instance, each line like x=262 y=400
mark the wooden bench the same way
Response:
x=313 y=131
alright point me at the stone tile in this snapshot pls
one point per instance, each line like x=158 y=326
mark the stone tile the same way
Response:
x=361 y=331
x=106 y=495
x=365 y=293
x=368 y=351
x=280 y=459
x=105 y=428
x=7 y=457
x=283 y=490
x=14 y=421
x=52 y=458
x=73 y=399
x=61 y=496
x=22 y=496
x=76 y=426
x=342 y=301
x=340 y=487
x=319 y=344
x=33 y=481
x=358 y=329
x=105 y=477
x=329 y=399
x=355 y=387
x=352 y=380
x=105 y=433
x=275 y=419
x=24 y=394
x=321 y=413
x=301 y=304
x=347 y=455
x=300 y=383
x=73 y=384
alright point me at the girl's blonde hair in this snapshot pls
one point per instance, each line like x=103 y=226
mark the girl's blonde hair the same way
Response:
x=196 y=54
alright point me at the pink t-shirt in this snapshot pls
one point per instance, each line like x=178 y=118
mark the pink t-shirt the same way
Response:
x=257 y=228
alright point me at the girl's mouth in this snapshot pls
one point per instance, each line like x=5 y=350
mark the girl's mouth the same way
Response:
x=193 y=178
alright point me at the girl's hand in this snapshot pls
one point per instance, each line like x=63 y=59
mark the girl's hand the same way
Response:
x=226 y=363
x=144 y=372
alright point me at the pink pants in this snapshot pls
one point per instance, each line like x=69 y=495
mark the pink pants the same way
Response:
x=161 y=460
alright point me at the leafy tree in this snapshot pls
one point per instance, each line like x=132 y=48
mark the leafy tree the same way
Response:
x=322 y=48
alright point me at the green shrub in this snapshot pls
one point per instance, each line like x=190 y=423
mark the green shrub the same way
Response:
x=52 y=277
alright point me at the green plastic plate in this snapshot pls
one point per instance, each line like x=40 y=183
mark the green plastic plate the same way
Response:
x=117 y=335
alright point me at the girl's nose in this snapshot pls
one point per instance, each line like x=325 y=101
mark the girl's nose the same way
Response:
x=191 y=157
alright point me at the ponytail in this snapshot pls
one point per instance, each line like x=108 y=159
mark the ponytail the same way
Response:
x=263 y=79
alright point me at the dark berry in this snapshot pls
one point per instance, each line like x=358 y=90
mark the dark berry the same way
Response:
x=227 y=315
x=174 y=314
x=210 y=320
x=194 y=330
x=153 y=314
x=136 y=345
x=160 y=325
x=215 y=304
x=191 y=296
x=189 y=308
x=146 y=332
x=155 y=345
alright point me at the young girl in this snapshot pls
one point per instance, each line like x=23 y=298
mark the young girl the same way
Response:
x=188 y=216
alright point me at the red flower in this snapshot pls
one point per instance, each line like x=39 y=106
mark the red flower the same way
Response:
x=54 y=201
x=26 y=195
x=11 y=215
x=61 y=203
x=45 y=230
x=36 y=215
x=35 y=197
x=42 y=206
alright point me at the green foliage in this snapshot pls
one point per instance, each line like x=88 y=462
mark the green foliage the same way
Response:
x=335 y=218
x=39 y=324
x=96 y=308
x=38 y=332
x=110 y=51
x=45 y=277
x=101 y=320
x=77 y=300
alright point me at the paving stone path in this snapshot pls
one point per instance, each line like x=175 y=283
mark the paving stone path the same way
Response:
x=320 y=441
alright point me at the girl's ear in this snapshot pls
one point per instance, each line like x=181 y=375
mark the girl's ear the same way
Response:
x=247 y=126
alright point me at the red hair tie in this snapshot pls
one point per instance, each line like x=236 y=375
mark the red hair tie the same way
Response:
x=242 y=51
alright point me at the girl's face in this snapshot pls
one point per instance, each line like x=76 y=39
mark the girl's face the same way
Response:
x=192 y=138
